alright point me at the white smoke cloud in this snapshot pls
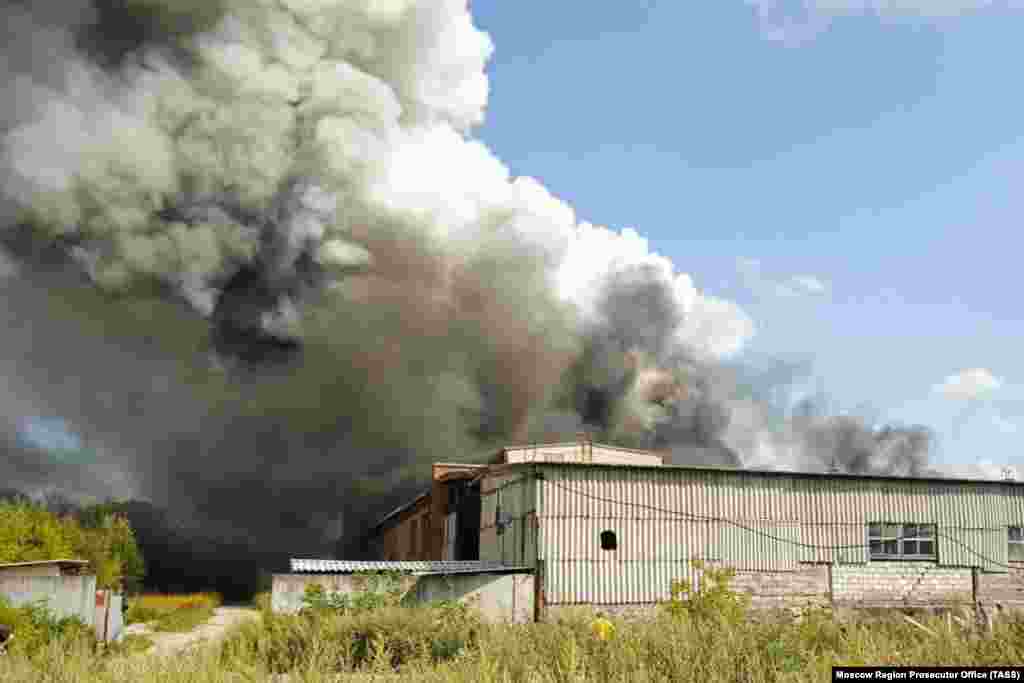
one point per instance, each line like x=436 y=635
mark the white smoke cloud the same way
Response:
x=711 y=326
x=982 y=469
x=968 y=384
x=378 y=99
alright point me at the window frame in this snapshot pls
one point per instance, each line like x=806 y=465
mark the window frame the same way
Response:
x=1012 y=542
x=902 y=540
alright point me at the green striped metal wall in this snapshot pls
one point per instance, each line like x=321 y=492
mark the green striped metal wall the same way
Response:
x=663 y=517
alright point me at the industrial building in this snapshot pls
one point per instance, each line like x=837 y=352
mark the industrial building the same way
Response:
x=611 y=527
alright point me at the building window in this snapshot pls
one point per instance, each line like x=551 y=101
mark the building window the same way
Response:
x=901 y=541
x=1016 y=549
x=608 y=540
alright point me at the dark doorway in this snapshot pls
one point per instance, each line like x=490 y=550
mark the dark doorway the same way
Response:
x=467 y=522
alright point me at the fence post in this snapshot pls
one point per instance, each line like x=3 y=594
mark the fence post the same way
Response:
x=106 y=618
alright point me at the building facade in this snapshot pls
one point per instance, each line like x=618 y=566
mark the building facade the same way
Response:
x=613 y=528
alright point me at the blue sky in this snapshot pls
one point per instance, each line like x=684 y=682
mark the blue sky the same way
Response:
x=875 y=152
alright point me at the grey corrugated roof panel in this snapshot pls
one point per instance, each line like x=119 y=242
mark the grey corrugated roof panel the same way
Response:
x=301 y=566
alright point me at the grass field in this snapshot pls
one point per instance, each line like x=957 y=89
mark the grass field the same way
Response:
x=448 y=643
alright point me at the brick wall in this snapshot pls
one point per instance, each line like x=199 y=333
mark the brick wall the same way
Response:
x=768 y=591
x=899 y=584
x=1003 y=590
x=784 y=590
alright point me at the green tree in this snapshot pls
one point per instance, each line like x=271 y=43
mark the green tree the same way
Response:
x=108 y=542
x=28 y=532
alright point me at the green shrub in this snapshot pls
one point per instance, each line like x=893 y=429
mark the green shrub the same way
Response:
x=711 y=599
x=380 y=590
x=262 y=602
x=35 y=627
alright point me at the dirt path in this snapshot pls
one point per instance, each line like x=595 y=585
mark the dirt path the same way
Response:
x=166 y=643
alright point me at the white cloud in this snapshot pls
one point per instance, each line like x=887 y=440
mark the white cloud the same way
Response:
x=795 y=21
x=756 y=280
x=1005 y=426
x=809 y=284
x=968 y=384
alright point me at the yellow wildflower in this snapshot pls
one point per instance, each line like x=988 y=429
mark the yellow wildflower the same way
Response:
x=602 y=628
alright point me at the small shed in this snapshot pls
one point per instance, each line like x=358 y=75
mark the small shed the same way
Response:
x=67 y=589
x=42 y=568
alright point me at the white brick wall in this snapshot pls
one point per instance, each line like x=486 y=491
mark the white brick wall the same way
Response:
x=898 y=583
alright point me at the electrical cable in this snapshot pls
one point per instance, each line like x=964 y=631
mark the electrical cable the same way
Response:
x=707 y=518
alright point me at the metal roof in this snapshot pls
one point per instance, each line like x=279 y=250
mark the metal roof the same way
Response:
x=412 y=567
x=35 y=563
x=750 y=472
x=401 y=508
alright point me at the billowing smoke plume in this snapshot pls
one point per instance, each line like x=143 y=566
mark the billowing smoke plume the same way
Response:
x=266 y=269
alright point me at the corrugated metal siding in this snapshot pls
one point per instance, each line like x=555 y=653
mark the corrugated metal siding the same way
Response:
x=776 y=521
x=1015 y=506
x=65 y=596
x=514 y=493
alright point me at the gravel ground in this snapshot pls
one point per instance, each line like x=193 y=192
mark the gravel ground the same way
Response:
x=167 y=643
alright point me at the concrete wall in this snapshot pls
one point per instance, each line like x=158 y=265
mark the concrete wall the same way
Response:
x=898 y=584
x=506 y=597
x=1002 y=590
x=288 y=589
x=499 y=597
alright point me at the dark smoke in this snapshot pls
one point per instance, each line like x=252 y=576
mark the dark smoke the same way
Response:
x=268 y=276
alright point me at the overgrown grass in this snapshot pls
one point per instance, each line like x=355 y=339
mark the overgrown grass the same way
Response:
x=184 y=618
x=153 y=606
x=688 y=639
x=421 y=644
x=172 y=612
x=133 y=643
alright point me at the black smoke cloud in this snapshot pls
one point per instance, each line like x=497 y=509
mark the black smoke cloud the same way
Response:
x=268 y=275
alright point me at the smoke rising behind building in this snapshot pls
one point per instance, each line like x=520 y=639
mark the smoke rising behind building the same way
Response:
x=267 y=272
